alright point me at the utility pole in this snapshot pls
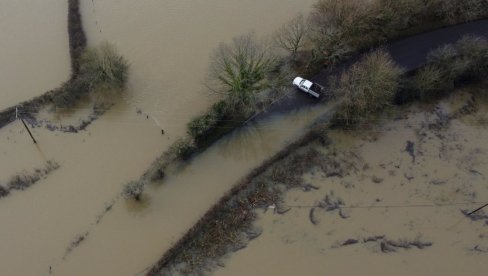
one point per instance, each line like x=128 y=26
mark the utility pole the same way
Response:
x=469 y=214
x=25 y=125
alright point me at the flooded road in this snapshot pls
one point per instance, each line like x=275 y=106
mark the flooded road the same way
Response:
x=171 y=209
x=34 y=42
x=168 y=45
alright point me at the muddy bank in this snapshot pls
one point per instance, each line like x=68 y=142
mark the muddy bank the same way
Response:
x=77 y=43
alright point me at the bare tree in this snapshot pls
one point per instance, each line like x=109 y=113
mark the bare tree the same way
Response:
x=238 y=70
x=291 y=36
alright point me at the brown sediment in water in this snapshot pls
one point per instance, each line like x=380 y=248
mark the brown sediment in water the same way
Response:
x=192 y=251
x=77 y=43
x=406 y=224
x=117 y=148
x=226 y=210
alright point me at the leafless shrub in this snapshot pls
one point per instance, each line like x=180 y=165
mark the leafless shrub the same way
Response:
x=449 y=64
x=291 y=36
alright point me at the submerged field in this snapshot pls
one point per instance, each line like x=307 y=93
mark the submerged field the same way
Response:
x=395 y=200
x=34 y=43
x=396 y=206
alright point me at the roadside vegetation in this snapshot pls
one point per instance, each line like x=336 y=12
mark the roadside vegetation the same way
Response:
x=375 y=82
x=451 y=65
x=338 y=29
x=366 y=89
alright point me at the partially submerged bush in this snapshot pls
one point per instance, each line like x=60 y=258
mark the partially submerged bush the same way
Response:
x=182 y=149
x=429 y=82
x=133 y=190
x=200 y=125
x=366 y=88
x=101 y=69
x=238 y=71
x=4 y=191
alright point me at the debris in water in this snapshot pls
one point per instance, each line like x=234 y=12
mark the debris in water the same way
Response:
x=344 y=213
x=387 y=245
x=410 y=148
x=331 y=202
x=312 y=217
x=350 y=241
x=309 y=187
x=376 y=179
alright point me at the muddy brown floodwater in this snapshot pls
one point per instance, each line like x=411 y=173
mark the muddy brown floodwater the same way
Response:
x=388 y=195
x=168 y=44
x=34 y=42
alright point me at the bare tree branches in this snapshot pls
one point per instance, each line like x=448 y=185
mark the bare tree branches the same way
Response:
x=291 y=36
